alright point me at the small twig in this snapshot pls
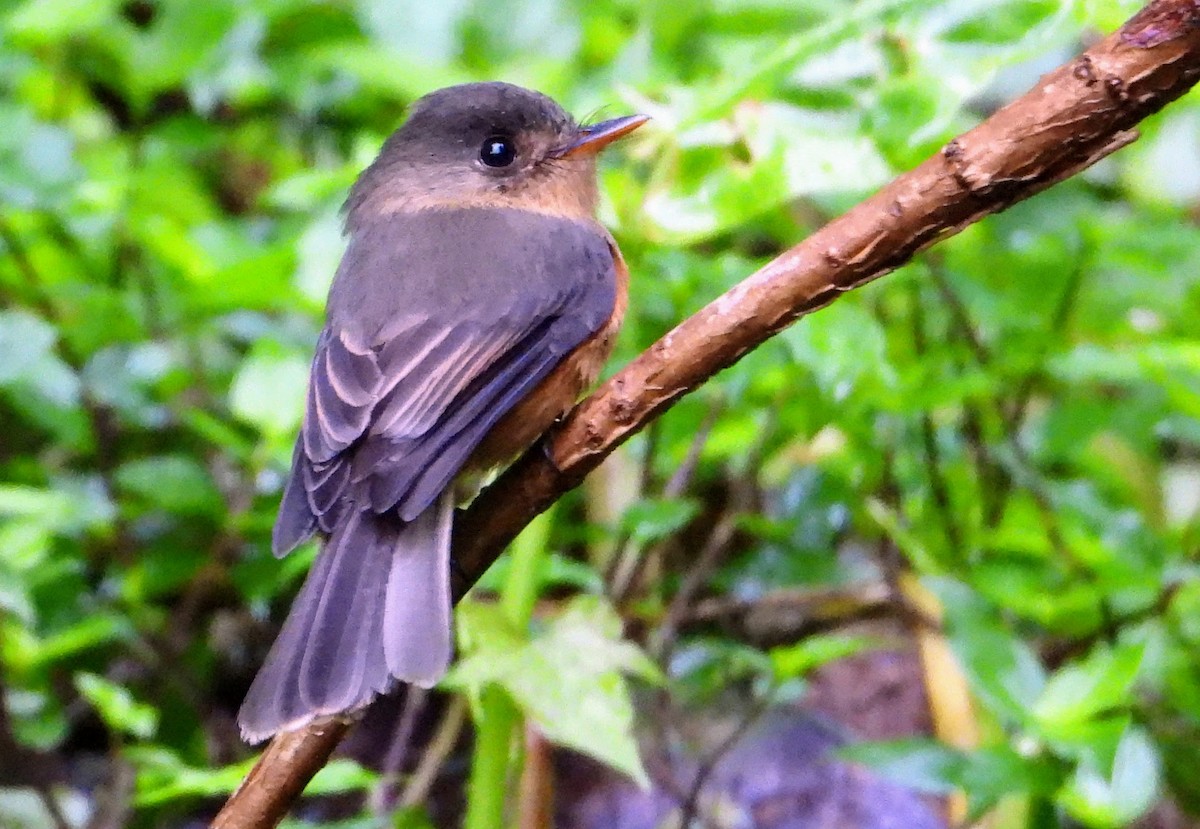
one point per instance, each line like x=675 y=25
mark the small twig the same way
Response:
x=1058 y=320
x=383 y=798
x=535 y=801
x=994 y=481
x=783 y=616
x=930 y=449
x=697 y=574
x=689 y=807
x=958 y=312
x=649 y=453
x=443 y=742
x=19 y=256
x=1056 y=654
x=625 y=579
x=682 y=477
x=114 y=801
x=52 y=808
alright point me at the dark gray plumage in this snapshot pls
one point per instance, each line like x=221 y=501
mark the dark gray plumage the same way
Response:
x=474 y=286
x=404 y=386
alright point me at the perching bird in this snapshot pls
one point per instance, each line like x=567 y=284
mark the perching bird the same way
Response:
x=477 y=298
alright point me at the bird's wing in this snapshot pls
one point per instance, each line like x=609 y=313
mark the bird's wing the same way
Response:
x=439 y=323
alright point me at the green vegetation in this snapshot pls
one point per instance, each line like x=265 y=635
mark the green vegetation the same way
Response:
x=1012 y=422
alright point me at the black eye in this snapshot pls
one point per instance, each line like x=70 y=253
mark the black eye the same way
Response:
x=498 y=151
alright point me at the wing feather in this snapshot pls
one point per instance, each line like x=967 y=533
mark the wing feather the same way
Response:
x=339 y=410
x=352 y=375
x=430 y=341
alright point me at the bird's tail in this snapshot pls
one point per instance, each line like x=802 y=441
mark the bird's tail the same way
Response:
x=374 y=609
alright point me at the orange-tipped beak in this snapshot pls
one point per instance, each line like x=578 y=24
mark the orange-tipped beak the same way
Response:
x=592 y=138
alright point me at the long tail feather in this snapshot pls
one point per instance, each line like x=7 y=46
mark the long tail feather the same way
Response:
x=374 y=609
x=416 y=629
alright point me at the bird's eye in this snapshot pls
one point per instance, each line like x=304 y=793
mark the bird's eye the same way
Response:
x=498 y=151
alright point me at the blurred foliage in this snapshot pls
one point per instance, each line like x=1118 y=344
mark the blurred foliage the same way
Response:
x=1014 y=418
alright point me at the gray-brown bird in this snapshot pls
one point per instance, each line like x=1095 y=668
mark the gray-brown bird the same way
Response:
x=477 y=298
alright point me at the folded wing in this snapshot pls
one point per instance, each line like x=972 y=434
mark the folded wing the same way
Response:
x=439 y=323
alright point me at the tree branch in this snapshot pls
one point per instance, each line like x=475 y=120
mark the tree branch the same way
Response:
x=280 y=775
x=1075 y=115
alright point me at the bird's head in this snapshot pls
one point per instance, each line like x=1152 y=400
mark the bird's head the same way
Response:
x=488 y=145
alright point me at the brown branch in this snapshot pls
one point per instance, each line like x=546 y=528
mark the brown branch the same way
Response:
x=272 y=786
x=1076 y=115
x=787 y=615
x=535 y=792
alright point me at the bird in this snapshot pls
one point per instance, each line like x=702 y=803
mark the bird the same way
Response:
x=477 y=298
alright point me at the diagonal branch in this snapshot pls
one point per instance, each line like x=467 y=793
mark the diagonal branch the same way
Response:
x=1073 y=117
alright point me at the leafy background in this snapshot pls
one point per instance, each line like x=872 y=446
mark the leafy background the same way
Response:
x=986 y=466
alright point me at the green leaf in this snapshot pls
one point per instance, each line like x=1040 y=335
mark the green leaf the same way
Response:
x=845 y=349
x=717 y=198
x=320 y=249
x=567 y=680
x=919 y=764
x=1003 y=670
x=554 y=570
x=911 y=116
x=163 y=777
x=176 y=483
x=990 y=774
x=48 y=20
x=702 y=669
x=83 y=635
x=39 y=720
x=1079 y=692
x=182 y=38
x=117 y=707
x=811 y=44
x=1002 y=22
x=812 y=652
x=269 y=389
x=649 y=520
x=818 y=155
x=30 y=362
x=46 y=504
x=1101 y=798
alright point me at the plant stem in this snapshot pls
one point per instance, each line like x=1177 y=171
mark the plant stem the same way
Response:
x=498 y=719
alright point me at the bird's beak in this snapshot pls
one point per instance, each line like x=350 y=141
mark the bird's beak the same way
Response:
x=592 y=138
